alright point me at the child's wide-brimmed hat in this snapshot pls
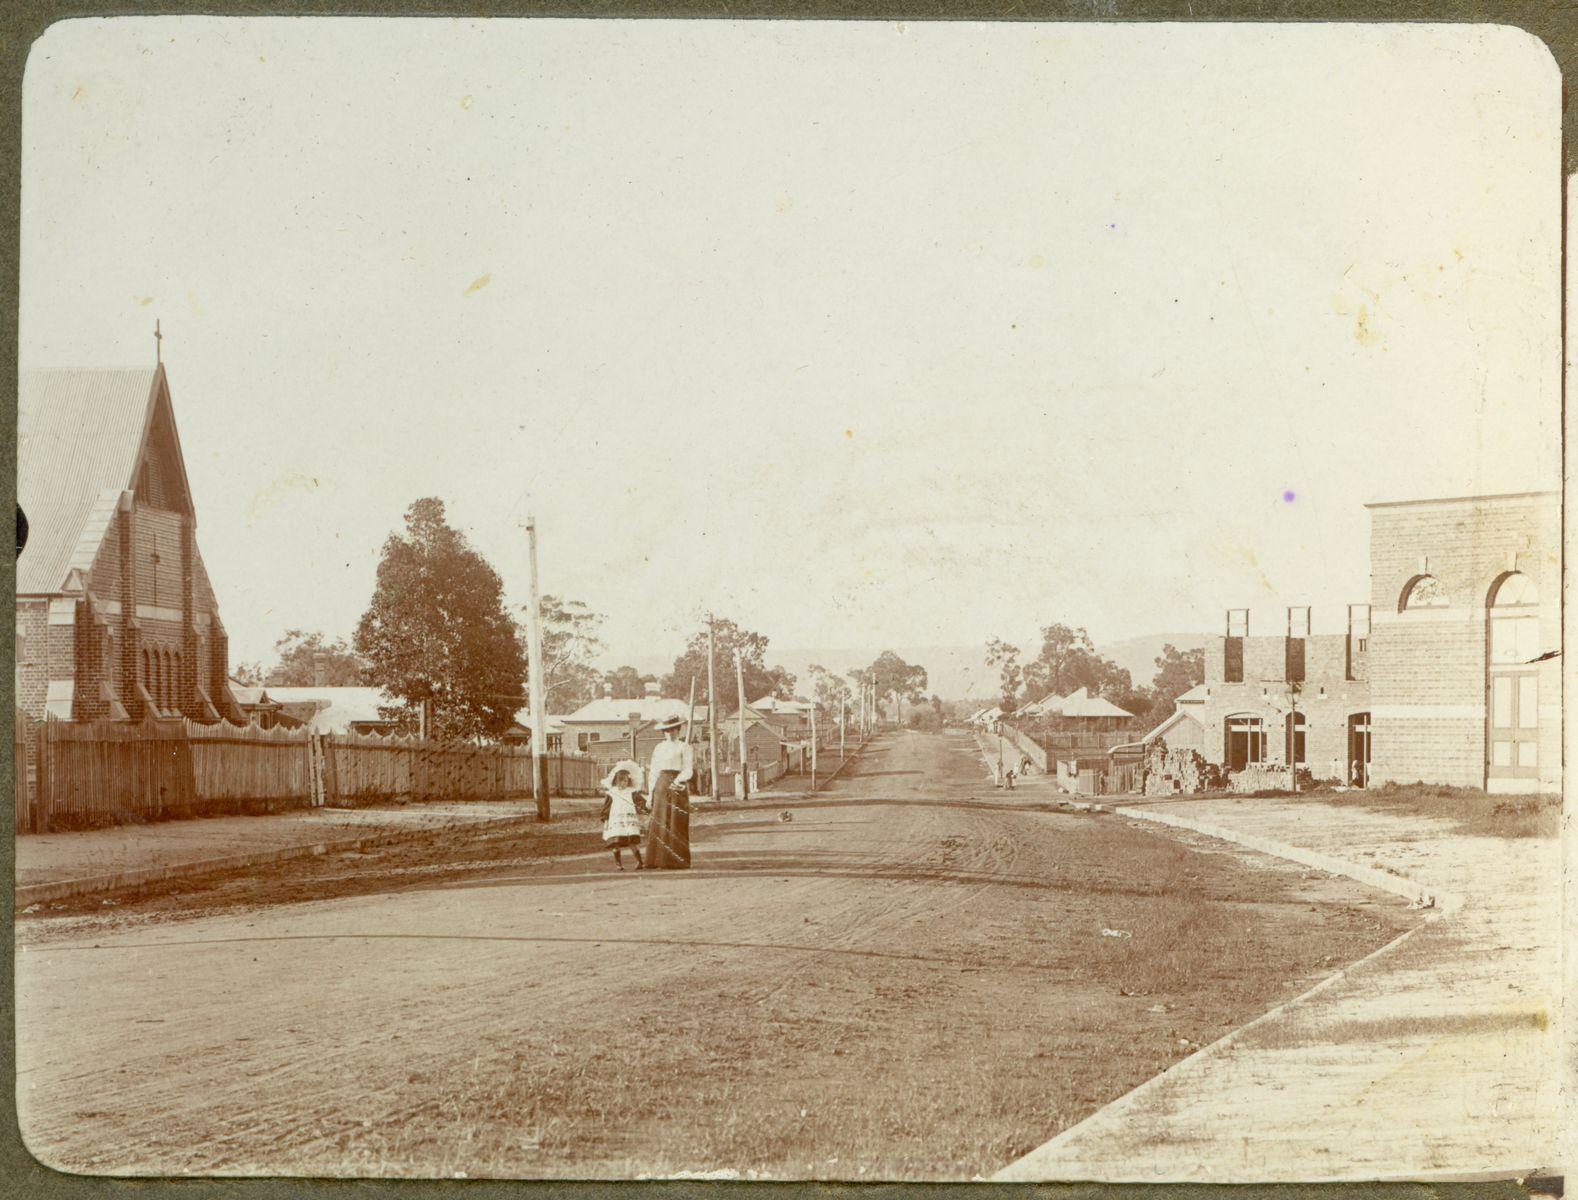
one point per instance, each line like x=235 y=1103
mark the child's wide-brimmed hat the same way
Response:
x=668 y=723
x=628 y=766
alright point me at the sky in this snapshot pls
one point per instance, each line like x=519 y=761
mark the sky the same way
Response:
x=856 y=333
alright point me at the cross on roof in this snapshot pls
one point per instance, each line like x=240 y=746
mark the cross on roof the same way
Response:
x=157 y=338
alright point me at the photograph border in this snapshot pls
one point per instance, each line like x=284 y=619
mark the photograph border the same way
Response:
x=23 y=22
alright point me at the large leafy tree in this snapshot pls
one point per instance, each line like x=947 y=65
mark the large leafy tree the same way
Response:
x=299 y=655
x=627 y=683
x=571 y=639
x=760 y=679
x=1177 y=671
x=437 y=634
x=895 y=679
x=1005 y=657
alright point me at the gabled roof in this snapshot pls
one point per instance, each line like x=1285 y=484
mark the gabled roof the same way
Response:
x=1195 y=695
x=773 y=705
x=604 y=711
x=553 y=725
x=331 y=709
x=80 y=438
x=1082 y=704
x=1179 y=716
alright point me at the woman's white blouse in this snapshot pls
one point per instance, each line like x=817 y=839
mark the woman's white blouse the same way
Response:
x=673 y=756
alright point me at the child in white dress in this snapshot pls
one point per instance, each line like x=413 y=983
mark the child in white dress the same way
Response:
x=621 y=812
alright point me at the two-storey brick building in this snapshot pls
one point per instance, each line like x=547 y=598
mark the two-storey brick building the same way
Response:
x=1448 y=675
x=114 y=613
x=1465 y=679
x=1292 y=696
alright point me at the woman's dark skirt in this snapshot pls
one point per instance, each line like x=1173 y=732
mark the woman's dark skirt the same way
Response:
x=668 y=834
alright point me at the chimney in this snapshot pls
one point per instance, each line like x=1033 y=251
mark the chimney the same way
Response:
x=652 y=689
x=608 y=690
x=320 y=669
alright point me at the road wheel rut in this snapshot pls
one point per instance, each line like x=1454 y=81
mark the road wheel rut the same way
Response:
x=907 y=980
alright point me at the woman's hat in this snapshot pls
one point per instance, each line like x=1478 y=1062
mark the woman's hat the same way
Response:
x=668 y=723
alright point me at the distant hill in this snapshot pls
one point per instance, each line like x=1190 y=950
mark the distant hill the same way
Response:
x=1137 y=655
x=952 y=672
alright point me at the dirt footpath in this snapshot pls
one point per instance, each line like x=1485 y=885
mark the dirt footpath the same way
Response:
x=912 y=977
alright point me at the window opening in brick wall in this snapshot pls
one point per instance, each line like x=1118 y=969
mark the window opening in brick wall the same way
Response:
x=1245 y=741
x=1358 y=636
x=1423 y=591
x=1513 y=679
x=1359 y=749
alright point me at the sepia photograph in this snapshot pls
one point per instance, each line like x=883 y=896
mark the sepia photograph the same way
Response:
x=790 y=600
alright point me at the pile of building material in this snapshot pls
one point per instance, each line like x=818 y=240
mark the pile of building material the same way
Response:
x=1268 y=777
x=1178 y=772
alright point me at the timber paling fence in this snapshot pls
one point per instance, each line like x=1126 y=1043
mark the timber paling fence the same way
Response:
x=72 y=775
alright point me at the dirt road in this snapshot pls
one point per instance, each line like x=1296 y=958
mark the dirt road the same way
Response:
x=914 y=977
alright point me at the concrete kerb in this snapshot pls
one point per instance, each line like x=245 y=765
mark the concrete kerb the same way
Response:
x=1442 y=903
x=842 y=763
x=39 y=893
x=1020 y=1170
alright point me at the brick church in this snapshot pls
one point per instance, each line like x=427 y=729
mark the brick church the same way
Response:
x=114 y=613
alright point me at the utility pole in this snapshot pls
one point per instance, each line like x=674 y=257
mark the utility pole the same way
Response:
x=813 y=744
x=539 y=703
x=712 y=720
x=739 y=679
x=841 y=754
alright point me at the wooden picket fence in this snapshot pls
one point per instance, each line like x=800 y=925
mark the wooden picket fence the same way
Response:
x=96 y=773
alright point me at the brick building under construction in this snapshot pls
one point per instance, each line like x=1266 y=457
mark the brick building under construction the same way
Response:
x=1448 y=674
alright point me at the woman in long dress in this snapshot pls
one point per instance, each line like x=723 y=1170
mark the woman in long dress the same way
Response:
x=668 y=786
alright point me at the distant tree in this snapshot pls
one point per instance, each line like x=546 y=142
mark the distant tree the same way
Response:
x=1005 y=658
x=896 y=680
x=436 y=633
x=299 y=653
x=1177 y=671
x=569 y=643
x=760 y=679
x=1064 y=663
x=627 y=683
x=248 y=674
x=828 y=691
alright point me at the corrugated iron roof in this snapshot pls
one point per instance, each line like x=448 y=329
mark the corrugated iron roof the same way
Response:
x=1082 y=704
x=604 y=711
x=78 y=434
x=334 y=709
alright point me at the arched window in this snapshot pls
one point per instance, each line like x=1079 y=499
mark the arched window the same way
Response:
x=1513 y=590
x=1514 y=620
x=1423 y=591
